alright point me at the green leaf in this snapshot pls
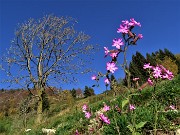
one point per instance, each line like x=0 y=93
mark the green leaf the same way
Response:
x=124 y=102
x=137 y=133
x=126 y=71
x=140 y=125
x=135 y=94
x=130 y=128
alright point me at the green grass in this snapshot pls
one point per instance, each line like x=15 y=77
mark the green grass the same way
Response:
x=66 y=119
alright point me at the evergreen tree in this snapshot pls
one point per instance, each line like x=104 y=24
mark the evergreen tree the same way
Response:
x=150 y=59
x=73 y=93
x=169 y=54
x=88 y=91
x=136 y=67
x=160 y=55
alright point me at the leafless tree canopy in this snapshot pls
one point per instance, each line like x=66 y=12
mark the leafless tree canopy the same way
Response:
x=48 y=49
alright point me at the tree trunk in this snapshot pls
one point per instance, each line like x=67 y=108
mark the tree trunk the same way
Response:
x=40 y=105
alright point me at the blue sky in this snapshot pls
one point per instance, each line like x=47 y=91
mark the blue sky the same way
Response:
x=100 y=19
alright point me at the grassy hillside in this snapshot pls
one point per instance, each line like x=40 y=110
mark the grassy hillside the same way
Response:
x=152 y=111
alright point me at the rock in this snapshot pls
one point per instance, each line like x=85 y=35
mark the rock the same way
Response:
x=48 y=131
x=178 y=132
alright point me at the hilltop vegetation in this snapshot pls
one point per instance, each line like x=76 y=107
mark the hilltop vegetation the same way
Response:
x=66 y=117
x=63 y=108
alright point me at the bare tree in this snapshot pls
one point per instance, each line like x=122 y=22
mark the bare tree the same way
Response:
x=45 y=50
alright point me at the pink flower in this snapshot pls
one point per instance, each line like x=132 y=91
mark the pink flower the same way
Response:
x=104 y=119
x=150 y=82
x=76 y=133
x=170 y=75
x=131 y=107
x=125 y=22
x=113 y=55
x=140 y=36
x=111 y=67
x=136 y=79
x=87 y=115
x=172 y=107
x=93 y=77
x=84 y=107
x=157 y=72
x=106 y=81
x=117 y=43
x=147 y=66
x=134 y=22
x=165 y=76
x=106 y=108
x=123 y=29
x=106 y=51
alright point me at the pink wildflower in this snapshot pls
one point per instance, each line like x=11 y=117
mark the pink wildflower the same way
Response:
x=106 y=108
x=125 y=22
x=87 y=115
x=131 y=107
x=157 y=72
x=106 y=51
x=172 y=107
x=93 y=77
x=84 y=107
x=117 y=43
x=134 y=22
x=136 y=79
x=123 y=29
x=170 y=74
x=150 y=82
x=106 y=81
x=104 y=119
x=165 y=76
x=76 y=133
x=111 y=67
x=147 y=66
x=140 y=36
x=113 y=55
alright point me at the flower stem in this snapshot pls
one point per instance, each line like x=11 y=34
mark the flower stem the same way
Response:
x=117 y=127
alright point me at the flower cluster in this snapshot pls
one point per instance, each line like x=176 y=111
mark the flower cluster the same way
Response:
x=126 y=26
x=84 y=109
x=101 y=116
x=126 y=30
x=97 y=122
x=100 y=113
x=157 y=72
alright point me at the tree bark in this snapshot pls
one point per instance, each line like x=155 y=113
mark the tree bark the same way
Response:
x=40 y=105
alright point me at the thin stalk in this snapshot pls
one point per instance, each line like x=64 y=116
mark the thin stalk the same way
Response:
x=156 y=118
x=134 y=124
x=156 y=112
x=117 y=127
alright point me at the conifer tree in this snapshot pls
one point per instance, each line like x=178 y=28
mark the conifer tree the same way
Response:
x=136 y=67
x=88 y=91
x=73 y=92
x=150 y=59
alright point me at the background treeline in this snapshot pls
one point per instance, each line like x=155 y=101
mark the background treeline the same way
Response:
x=160 y=57
x=20 y=101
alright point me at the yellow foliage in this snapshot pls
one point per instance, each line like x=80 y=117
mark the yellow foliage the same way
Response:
x=13 y=110
x=170 y=65
x=177 y=57
x=1 y=115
